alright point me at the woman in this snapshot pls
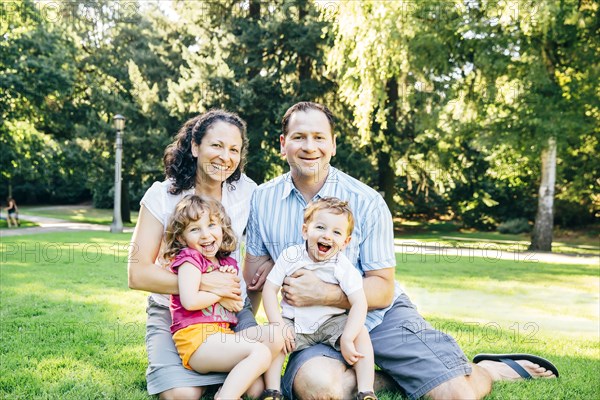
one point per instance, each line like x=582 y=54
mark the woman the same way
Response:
x=12 y=210
x=207 y=158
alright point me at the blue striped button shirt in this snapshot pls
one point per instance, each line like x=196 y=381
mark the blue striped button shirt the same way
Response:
x=277 y=212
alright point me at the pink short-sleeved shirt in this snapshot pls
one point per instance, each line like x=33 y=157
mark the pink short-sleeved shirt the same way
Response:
x=216 y=313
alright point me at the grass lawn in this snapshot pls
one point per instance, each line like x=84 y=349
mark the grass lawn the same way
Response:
x=71 y=329
x=22 y=224
x=580 y=242
x=76 y=213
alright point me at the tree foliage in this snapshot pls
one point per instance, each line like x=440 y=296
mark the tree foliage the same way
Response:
x=445 y=107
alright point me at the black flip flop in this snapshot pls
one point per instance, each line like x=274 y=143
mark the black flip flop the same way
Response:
x=510 y=360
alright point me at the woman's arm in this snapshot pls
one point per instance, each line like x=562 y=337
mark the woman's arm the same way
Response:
x=191 y=297
x=143 y=273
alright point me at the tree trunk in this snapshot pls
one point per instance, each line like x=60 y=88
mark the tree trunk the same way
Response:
x=254 y=53
x=387 y=174
x=386 y=177
x=304 y=62
x=541 y=238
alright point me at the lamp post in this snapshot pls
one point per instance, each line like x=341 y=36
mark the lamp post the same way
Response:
x=117 y=224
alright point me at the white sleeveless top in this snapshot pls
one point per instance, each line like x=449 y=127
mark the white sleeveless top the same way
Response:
x=235 y=199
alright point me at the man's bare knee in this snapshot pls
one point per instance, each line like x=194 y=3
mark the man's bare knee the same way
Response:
x=182 y=393
x=384 y=382
x=456 y=388
x=324 y=378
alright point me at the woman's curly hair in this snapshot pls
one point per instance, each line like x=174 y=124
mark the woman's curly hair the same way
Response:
x=181 y=165
x=189 y=209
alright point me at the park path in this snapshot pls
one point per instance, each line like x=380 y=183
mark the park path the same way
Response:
x=435 y=252
x=49 y=225
x=428 y=251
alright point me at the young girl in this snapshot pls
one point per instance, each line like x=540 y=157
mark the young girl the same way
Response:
x=199 y=240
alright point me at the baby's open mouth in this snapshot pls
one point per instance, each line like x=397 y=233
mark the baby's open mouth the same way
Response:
x=323 y=248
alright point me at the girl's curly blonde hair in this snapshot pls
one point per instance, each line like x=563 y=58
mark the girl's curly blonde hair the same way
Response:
x=189 y=209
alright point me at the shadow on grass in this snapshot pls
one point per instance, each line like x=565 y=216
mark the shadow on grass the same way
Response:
x=451 y=272
x=71 y=328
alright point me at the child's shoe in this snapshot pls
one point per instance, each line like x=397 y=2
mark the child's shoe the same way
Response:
x=271 y=394
x=366 y=396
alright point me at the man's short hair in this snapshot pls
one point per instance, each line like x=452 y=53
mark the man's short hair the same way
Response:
x=331 y=204
x=305 y=106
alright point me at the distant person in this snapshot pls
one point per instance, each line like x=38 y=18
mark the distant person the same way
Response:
x=13 y=212
x=328 y=224
x=199 y=241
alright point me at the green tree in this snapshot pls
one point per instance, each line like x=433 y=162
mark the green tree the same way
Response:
x=547 y=52
x=394 y=68
x=257 y=59
x=36 y=105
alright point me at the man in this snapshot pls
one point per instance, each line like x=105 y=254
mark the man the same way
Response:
x=419 y=359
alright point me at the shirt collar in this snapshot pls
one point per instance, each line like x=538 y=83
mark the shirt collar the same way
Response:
x=288 y=185
x=328 y=188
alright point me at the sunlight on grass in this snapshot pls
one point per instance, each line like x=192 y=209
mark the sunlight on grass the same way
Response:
x=69 y=322
x=77 y=213
x=22 y=224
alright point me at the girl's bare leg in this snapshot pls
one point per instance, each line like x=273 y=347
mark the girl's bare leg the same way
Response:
x=245 y=361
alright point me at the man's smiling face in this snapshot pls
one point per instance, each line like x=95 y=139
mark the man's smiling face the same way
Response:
x=309 y=144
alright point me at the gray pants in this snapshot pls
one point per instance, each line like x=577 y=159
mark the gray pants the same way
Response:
x=165 y=370
x=418 y=357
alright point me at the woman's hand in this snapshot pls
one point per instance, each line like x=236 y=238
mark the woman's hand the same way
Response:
x=223 y=284
x=231 y=304
x=228 y=268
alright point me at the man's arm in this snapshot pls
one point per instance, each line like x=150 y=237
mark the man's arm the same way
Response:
x=304 y=289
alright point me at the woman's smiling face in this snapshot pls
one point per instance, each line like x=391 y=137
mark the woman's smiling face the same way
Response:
x=219 y=152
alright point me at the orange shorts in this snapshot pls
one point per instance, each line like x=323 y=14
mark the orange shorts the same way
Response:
x=189 y=339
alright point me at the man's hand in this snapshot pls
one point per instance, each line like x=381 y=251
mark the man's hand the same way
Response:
x=223 y=284
x=256 y=271
x=231 y=304
x=351 y=355
x=303 y=288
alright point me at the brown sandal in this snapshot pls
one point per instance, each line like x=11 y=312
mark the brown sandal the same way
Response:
x=366 y=396
x=271 y=394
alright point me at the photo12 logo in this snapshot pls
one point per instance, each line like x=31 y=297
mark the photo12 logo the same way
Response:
x=56 y=12
x=66 y=253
